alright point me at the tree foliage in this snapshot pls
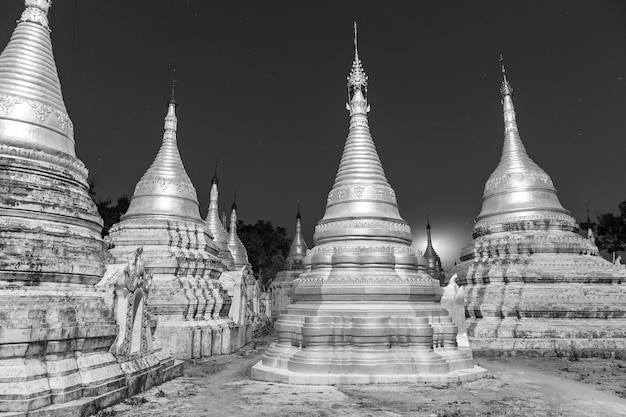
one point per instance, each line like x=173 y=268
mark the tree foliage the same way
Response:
x=611 y=230
x=111 y=213
x=267 y=247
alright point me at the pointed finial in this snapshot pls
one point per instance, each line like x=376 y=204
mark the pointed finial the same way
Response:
x=356 y=44
x=588 y=219
x=506 y=89
x=357 y=78
x=234 y=207
x=427 y=221
x=215 y=174
x=172 y=99
x=298 y=215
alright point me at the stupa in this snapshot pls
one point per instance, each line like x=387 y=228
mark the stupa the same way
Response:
x=533 y=285
x=164 y=219
x=237 y=249
x=217 y=228
x=282 y=285
x=433 y=262
x=60 y=348
x=362 y=313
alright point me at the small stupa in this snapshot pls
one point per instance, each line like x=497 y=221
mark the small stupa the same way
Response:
x=282 y=285
x=216 y=227
x=433 y=262
x=237 y=249
x=361 y=312
x=164 y=218
x=533 y=285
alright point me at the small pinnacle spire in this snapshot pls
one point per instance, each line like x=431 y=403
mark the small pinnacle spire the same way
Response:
x=356 y=43
x=506 y=89
x=172 y=99
x=234 y=206
x=588 y=219
x=430 y=251
x=427 y=222
x=298 y=248
x=215 y=181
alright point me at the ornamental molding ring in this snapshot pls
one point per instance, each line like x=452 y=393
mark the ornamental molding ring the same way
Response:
x=182 y=187
x=63 y=160
x=518 y=177
x=362 y=191
x=358 y=120
x=178 y=225
x=37 y=112
x=363 y=224
x=325 y=250
x=306 y=281
x=35 y=15
x=511 y=218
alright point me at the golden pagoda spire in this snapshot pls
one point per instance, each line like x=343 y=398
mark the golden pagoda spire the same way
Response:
x=514 y=152
x=298 y=248
x=165 y=189
x=239 y=252
x=31 y=102
x=361 y=188
x=357 y=90
x=518 y=188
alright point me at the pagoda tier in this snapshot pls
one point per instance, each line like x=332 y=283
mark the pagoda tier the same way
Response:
x=362 y=313
x=533 y=285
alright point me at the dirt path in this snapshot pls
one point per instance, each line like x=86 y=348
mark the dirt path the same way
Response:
x=221 y=386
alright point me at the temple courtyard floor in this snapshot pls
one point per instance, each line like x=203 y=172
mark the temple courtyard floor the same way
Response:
x=221 y=386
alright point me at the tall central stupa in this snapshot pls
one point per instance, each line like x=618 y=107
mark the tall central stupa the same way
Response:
x=361 y=312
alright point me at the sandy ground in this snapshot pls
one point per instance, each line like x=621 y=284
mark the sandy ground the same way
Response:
x=221 y=386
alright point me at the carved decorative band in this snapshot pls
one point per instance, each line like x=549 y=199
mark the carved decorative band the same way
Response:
x=29 y=110
x=362 y=191
x=153 y=222
x=363 y=224
x=361 y=249
x=557 y=219
x=182 y=187
x=61 y=159
x=518 y=177
x=419 y=279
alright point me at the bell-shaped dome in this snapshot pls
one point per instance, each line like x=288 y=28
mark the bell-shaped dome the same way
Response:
x=32 y=110
x=518 y=191
x=165 y=189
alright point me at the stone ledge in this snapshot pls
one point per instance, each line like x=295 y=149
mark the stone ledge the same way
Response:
x=266 y=373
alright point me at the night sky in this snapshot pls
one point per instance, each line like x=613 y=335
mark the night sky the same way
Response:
x=262 y=89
